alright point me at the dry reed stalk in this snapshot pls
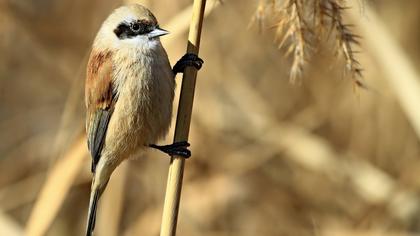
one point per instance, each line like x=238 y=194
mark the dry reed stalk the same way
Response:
x=180 y=23
x=55 y=189
x=398 y=69
x=176 y=168
x=202 y=197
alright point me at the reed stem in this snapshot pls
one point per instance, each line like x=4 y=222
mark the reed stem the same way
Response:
x=182 y=128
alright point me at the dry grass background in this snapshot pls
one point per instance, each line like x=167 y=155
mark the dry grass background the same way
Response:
x=270 y=158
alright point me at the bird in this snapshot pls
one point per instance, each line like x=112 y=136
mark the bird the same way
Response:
x=129 y=91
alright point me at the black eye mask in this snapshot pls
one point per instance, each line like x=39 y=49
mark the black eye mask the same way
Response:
x=130 y=30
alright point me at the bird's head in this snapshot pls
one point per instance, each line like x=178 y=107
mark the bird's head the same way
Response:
x=130 y=26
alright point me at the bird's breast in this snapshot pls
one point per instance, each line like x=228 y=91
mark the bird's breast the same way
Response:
x=145 y=95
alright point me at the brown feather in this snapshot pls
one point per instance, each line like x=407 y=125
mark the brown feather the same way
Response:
x=100 y=101
x=98 y=88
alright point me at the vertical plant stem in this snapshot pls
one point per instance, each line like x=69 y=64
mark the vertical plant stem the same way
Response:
x=182 y=128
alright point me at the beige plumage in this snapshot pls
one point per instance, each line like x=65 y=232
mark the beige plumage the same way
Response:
x=129 y=93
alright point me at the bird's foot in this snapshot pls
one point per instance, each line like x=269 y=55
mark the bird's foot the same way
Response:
x=189 y=59
x=177 y=149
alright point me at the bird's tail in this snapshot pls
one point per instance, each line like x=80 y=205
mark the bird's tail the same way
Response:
x=95 y=194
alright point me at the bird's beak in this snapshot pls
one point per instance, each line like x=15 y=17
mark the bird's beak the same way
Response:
x=157 y=33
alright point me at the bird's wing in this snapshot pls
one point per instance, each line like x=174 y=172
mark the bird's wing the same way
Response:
x=100 y=102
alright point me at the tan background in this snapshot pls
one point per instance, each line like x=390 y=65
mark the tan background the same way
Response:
x=269 y=157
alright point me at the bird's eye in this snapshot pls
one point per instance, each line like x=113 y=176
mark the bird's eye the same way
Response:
x=135 y=26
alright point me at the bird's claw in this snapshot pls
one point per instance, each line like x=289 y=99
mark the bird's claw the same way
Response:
x=175 y=149
x=189 y=59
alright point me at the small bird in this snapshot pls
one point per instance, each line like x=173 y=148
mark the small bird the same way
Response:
x=129 y=93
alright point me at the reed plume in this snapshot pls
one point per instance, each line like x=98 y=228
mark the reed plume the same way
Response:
x=302 y=26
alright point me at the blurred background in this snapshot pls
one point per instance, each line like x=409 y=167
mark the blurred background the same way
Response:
x=320 y=157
